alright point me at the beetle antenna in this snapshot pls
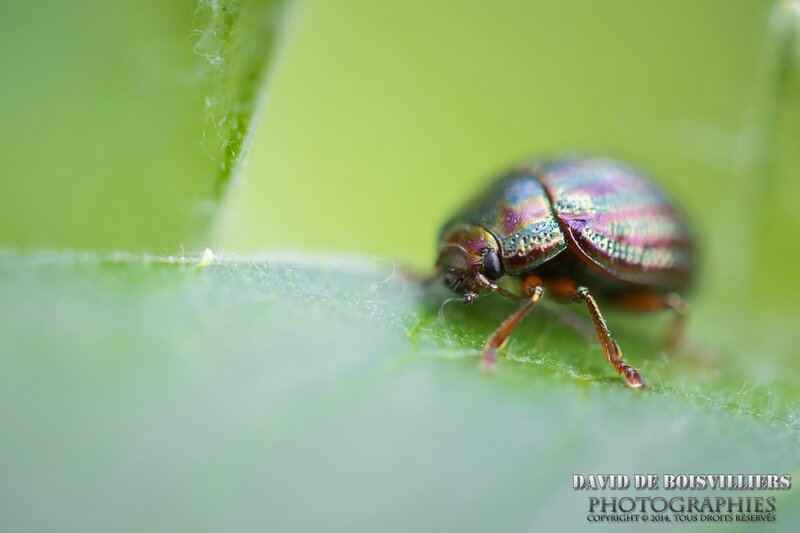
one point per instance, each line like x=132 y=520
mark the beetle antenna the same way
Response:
x=455 y=245
x=441 y=308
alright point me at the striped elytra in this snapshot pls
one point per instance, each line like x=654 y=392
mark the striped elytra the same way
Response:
x=598 y=210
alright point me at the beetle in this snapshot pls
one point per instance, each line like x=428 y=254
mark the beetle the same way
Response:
x=579 y=227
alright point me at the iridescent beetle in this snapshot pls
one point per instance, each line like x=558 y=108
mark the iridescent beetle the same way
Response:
x=580 y=227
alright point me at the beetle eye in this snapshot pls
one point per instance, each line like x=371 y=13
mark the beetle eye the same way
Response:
x=491 y=264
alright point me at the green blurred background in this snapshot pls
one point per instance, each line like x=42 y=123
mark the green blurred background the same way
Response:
x=121 y=121
x=378 y=119
x=124 y=128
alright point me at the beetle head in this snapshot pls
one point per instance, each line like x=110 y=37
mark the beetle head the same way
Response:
x=469 y=258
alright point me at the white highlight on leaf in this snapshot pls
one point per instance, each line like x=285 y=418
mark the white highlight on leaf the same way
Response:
x=207 y=258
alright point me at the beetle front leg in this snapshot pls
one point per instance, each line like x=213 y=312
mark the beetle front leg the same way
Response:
x=532 y=290
x=569 y=291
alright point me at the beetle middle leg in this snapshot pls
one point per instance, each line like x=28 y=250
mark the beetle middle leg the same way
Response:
x=532 y=290
x=657 y=302
x=568 y=290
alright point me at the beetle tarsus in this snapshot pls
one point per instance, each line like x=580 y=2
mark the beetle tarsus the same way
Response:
x=631 y=375
x=488 y=363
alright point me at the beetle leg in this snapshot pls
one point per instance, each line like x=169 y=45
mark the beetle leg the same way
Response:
x=657 y=302
x=679 y=307
x=569 y=291
x=532 y=289
x=484 y=282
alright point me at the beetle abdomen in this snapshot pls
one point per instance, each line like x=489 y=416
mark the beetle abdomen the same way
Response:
x=516 y=210
x=617 y=221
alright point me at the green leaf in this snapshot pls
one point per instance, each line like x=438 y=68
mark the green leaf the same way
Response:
x=234 y=39
x=122 y=123
x=332 y=393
